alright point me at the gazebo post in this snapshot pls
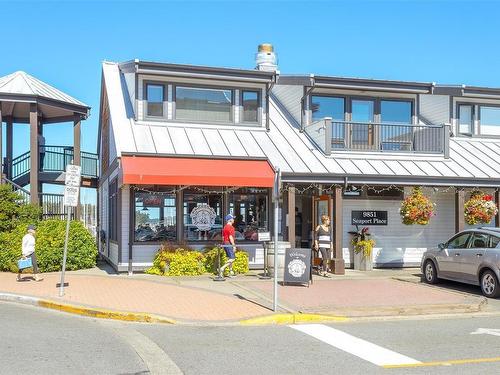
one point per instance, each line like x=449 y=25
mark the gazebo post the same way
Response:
x=77 y=156
x=10 y=144
x=34 y=153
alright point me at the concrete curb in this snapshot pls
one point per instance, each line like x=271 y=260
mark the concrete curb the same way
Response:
x=295 y=318
x=92 y=312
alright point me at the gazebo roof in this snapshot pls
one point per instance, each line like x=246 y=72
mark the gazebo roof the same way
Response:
x=19 y=89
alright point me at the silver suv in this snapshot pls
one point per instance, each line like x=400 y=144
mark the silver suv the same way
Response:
x=471 y=256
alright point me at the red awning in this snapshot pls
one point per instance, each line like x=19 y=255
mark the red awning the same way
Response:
x=143 y=170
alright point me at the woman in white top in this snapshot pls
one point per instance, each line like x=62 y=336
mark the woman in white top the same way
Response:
x=29 y=252
x=323 y=243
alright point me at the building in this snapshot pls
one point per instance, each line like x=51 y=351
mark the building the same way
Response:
x=182 y=145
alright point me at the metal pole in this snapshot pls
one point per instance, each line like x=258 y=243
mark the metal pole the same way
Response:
x=276 y=208
x=61 y=289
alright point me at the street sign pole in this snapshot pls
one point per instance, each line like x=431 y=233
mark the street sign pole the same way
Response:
x=71 y=191
x=277 y=183
x=65 y=253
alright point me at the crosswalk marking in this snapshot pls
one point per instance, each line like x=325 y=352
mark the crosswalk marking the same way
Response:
x=355 y=346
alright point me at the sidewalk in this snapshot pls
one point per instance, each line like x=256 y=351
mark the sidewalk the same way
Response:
x=199 y=299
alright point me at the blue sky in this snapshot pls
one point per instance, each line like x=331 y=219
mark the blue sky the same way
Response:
x=63 y=43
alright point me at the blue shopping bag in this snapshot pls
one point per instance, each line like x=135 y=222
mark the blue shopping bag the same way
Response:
x=24 y=263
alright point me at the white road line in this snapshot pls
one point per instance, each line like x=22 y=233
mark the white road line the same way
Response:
x=355 y=346
x=157 y=361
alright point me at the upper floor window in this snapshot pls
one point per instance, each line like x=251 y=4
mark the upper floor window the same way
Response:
x=203 y=104
x=465 y=119
x=155 y=94
x=250 y=105
x=327 y=106
x=396 y=111
x=489 y=118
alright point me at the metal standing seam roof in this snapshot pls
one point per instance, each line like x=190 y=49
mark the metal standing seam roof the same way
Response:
x=473 y=160
x=21 y=83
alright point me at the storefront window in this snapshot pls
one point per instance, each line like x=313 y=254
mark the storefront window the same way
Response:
x=249 y=207
x=155 y=217
x=203 y=216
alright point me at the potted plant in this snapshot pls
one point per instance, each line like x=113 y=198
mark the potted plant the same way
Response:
x=480 y=208
x=363 y=249
x=416 y=208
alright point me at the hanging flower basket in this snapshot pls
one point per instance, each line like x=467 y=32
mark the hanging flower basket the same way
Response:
x=416 y=208
x=480 y=208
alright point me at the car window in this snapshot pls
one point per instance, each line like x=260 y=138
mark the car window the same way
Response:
x=494 y=240
x=459 y=242
x=479 y=240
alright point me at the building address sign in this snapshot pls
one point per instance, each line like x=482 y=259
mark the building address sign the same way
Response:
x=369 y=217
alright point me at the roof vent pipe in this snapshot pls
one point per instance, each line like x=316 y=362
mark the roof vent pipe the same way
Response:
x=265 y=58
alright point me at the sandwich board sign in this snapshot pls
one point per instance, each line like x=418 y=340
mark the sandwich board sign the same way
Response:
x=297 y=266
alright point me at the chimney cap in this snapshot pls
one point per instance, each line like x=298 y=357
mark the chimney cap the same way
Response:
x=266 y=47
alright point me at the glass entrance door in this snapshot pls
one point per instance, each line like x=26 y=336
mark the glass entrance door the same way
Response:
x=322 y=205
x=362 y=115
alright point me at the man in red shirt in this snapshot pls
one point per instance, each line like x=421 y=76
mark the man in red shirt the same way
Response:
x=228 y=235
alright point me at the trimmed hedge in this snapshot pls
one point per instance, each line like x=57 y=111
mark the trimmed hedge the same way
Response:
x=179 y=262
x=82 y=249
x=13 y=210
x=188 y=262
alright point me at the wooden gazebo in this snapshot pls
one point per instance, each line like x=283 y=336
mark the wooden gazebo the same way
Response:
x=25 y=99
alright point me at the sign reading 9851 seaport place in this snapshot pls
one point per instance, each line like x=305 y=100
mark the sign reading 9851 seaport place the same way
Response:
x=369 y=218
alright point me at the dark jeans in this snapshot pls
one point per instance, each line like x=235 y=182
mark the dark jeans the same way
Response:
x=325 y=255
x=33 y=261
x=42 y=159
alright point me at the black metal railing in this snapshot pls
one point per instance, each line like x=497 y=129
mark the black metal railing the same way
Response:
x=380 y=137
x=24 y=194
x=54 y=159
x=53 y=207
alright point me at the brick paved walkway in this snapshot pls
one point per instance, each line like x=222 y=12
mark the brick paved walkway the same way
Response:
x=123 y=294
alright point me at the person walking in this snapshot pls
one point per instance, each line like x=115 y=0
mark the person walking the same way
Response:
x=28 y=249
x=229 y=244
x=323 y=243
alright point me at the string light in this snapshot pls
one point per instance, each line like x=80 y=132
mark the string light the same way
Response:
x=181 y=188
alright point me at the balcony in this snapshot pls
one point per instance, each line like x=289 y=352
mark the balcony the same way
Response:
x=331 y=136
x=53 y=165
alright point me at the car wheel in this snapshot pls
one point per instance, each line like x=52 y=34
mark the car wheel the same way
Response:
x=430 y=272
x=489 y=284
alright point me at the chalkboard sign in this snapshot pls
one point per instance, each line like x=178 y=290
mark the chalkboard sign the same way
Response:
x=297 y=266
x=369 y=217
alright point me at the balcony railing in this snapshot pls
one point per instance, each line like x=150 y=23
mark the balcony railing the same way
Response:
x=55 y=159
x=379 y=137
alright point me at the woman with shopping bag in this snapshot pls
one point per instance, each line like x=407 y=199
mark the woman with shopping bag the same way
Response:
x=29 y=258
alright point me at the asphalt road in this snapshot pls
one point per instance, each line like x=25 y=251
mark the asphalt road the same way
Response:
x=36 y=341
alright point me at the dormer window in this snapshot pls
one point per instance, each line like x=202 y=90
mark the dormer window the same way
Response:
x=155 y=95
x=250 y=105
x=203 y=104
x=489 y=119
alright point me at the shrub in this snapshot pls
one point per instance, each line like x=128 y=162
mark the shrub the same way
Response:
x=82 y=250
x=13 y=210
x=240 y=265
x=180 y=262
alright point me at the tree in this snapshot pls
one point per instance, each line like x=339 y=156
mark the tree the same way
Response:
x=14 y=210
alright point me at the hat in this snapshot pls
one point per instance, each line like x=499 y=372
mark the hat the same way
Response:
x=229 y=217
x=31 y=227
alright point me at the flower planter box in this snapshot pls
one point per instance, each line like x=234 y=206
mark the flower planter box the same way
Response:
x=362 y=263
